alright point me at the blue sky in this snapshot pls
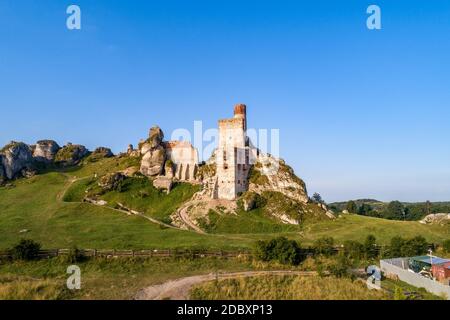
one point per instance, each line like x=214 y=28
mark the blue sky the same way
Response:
x=361 y=113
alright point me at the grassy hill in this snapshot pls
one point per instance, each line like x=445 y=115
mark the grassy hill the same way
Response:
x=41 y=206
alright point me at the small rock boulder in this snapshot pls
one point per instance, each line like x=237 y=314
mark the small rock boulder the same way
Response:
x=111 y=181
x=163 y=183
x=45 y=150
x=71 y=154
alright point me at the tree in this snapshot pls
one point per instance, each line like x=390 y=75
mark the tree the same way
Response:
x=26 y=250
x=317 y=198
x=279 y=249
x=364 y=209
x=415 y=246
x=396 y=247
x=395 y=211
x=351 y=207
x=370 y=247
x=353 y=249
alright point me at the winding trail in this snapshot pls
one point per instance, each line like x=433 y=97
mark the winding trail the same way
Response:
x=179 y=289
x=72 y=180
x=184 y=216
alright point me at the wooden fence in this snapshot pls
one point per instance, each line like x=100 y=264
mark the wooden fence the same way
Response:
x=156 y=253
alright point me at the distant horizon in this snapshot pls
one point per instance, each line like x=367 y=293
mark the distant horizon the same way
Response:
x=362 y=113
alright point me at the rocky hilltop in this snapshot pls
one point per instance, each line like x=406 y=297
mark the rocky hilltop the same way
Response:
x=266 y=184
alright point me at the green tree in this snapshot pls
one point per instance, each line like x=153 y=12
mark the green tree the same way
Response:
x=396 y=247
x=365 y=209
x=324 y=246
x=395 y=211
x=351 y=207
x=370 y=247
x=415 y=246
x=353 y=249
x=317 y=198
x=279 y=249
x=26 y=250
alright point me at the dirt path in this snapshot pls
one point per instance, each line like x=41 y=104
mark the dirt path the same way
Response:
x=179 y=289
x=72 y=180
x=184 y=216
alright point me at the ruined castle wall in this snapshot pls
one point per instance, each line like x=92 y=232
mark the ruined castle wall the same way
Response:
x=184 y=157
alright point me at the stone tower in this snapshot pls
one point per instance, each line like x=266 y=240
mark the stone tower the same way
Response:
x=233 y=155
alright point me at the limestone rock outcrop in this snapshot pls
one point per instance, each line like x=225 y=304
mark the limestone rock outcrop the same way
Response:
x=102 y=152
x=272 y=174
x=436 y=218
x=45 y=150
x=16 y=159
x=153 y=153
x=71 y=154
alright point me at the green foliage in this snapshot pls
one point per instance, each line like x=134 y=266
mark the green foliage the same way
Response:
x=398 y=294
x=256 y=177
x=279 y=249
x=351 y=207
x=340 y=267
x=26 y=249
x=317 y=198
x=401 y=247
x=446 y=246
x=324 y=246
x=370 y=247
x=353 y=249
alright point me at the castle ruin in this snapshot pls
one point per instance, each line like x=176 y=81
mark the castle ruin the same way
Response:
x=233 y=155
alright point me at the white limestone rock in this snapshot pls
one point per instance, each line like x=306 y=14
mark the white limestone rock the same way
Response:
x=272 y=174
x=45 y=150
x=16 y=159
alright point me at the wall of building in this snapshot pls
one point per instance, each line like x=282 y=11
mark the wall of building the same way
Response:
x=184 y=157
x=397 y=267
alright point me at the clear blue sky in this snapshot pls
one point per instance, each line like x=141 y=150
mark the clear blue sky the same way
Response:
x=362 y=113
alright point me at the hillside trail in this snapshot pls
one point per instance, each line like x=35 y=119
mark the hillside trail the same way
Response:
x=72 y=180
x=179 y=289
x=183 y=215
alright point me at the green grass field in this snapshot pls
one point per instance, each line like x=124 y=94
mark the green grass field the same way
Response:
x=37 y=205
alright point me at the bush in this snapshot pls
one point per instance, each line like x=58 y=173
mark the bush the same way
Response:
x=279 y=249
x=339 y=269
x=324 y=246
x=446 y=246
x=26 y=250
x=370 y=247
x=407 y=247
x=353 y=249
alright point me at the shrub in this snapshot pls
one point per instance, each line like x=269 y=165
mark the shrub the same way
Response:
x=340 y=267
x=324 y=246
x=446 y=246
x=353 y=249
x=370 y=247
x=279 y=249
x=26 y=250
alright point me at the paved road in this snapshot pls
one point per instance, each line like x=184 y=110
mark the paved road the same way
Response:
x=179 y=289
